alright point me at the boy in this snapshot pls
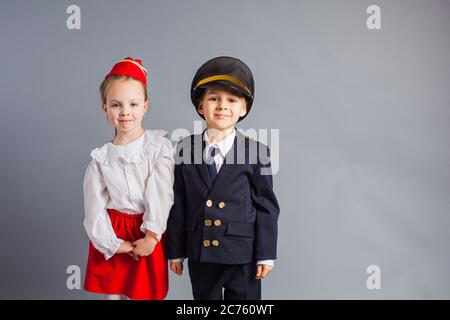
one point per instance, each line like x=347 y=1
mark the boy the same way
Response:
x=224 y=217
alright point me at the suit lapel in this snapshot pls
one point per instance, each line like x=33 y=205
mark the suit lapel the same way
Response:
x=198 y=147
x=236 y=152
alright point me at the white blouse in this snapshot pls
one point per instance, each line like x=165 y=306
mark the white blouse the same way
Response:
x=133 y=178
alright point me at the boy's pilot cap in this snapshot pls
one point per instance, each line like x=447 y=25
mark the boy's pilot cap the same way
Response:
x=224 y=71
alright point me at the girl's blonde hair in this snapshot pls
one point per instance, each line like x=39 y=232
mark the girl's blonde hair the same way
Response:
x=111 y=80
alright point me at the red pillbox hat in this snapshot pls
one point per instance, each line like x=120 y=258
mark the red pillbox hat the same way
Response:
x=130 y=67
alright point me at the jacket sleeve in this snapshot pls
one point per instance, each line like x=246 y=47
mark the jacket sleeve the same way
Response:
x=267 y=209
x=96 y=221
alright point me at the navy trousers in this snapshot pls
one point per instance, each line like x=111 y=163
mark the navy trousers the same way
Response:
x=237 y=280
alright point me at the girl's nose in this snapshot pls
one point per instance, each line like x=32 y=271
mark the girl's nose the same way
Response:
x=125 y=112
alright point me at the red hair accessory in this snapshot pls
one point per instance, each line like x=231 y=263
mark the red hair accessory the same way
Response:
x=130 y=67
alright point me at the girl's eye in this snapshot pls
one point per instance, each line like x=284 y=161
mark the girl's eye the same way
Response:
x=115 y=105
x=212 y=99
x=134 y=104
x=232 y=100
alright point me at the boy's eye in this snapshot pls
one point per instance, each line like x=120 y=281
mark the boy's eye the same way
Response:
x=232 y=100
x=134 y=104
x=213 y=98
x=115 y=105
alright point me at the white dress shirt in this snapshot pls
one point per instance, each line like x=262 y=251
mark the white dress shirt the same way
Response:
x=133 y=178
x=224 y=146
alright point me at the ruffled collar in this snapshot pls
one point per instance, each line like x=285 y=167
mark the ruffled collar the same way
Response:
x=134 y=152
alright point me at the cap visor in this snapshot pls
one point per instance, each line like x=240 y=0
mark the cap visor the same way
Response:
x=227 y=85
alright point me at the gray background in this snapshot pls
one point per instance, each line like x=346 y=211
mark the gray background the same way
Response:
x=363 y=117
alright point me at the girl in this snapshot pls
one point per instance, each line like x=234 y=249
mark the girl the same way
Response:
x=128 y=194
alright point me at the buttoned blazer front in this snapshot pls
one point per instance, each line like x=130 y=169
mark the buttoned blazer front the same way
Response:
x=231 y=220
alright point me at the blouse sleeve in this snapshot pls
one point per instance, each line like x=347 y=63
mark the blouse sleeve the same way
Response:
x=159 y=191
x=96 y=222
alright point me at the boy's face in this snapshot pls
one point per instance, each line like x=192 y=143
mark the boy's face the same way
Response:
x=222 y=108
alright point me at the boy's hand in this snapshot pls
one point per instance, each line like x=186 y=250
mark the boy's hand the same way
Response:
x=145 y=246
x=176 y=267
x=262 y=270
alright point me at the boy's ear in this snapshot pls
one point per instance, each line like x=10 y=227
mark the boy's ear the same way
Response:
x=200 y=108
x=146 y=106
x=243 y=110
x=104 y=107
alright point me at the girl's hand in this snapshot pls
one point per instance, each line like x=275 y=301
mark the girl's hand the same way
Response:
x=262 y=270
x=145 y=246
x=127 y=247
x=176 y=267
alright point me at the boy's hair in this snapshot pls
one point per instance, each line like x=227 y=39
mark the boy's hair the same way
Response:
x=111 y=80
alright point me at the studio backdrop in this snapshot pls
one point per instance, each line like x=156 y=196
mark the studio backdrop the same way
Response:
x=351 y=96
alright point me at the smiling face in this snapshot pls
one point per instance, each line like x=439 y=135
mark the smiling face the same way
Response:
x=222 y=108
x=125 y=104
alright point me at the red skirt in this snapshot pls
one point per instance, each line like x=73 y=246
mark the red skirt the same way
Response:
x=144 y=279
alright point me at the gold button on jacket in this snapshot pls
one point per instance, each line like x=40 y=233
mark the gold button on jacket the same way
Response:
x=222 y=205
x=209 y=203
x=206 y=243
x=215 y=243
x=217 y=223
x=208 y=222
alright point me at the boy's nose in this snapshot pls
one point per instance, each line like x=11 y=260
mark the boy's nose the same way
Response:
x=222 y=106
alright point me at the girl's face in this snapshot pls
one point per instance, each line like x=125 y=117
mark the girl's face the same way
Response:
x=221 y=108
x=125 y=105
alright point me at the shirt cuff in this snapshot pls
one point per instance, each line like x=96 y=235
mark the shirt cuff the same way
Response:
x=149 y=226
x=115 y=244
x=177 y=260
x=266 y=262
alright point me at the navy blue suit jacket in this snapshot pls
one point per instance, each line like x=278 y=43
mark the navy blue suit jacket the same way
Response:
x=230 y=221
